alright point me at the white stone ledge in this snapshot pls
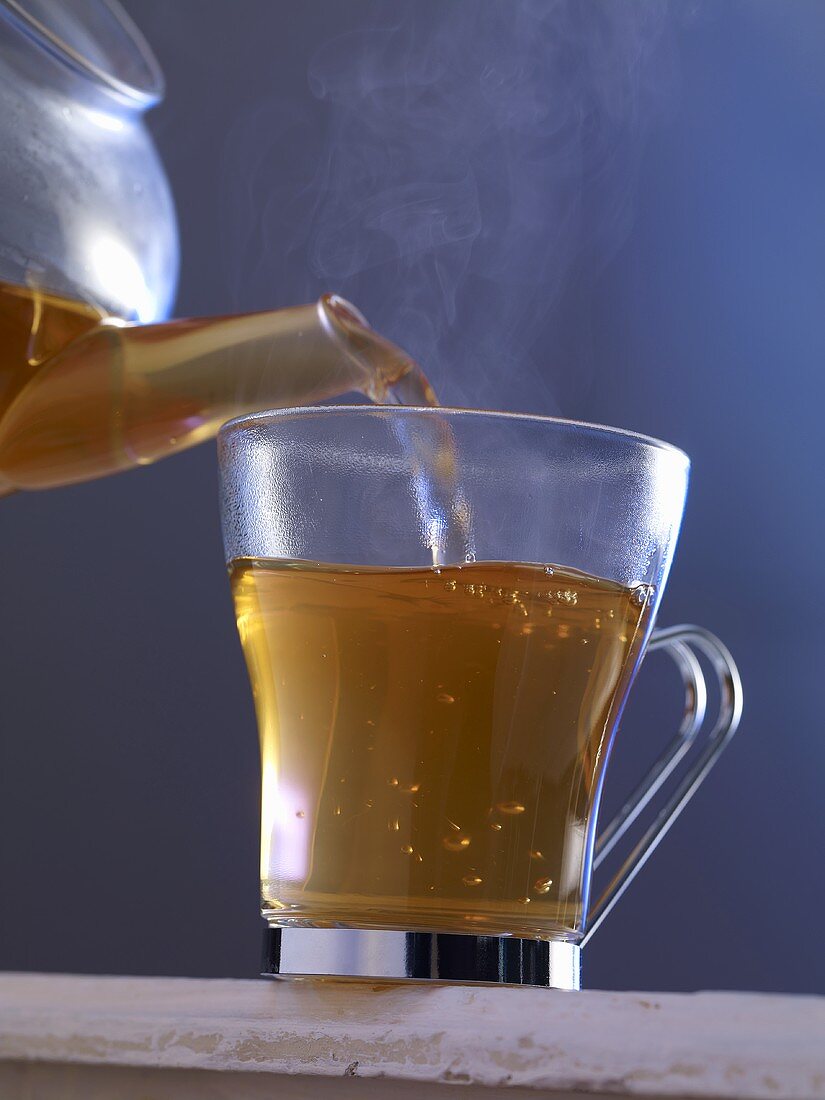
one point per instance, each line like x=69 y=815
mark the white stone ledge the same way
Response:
x=65 y=1036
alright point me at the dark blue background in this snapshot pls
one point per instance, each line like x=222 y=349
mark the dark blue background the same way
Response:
x=128 y=778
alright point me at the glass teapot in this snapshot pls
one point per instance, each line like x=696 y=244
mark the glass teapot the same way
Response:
x=90 y=381
x=85 y=207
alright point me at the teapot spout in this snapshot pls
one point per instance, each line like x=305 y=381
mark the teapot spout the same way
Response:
x=125 y=395
x=390 y=376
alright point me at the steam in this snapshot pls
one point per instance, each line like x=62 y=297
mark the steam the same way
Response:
x=455 y=173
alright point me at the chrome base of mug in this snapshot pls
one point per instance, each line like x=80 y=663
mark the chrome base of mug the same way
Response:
x=294 y=954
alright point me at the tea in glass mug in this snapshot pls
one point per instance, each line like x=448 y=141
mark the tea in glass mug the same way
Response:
x=442 y=613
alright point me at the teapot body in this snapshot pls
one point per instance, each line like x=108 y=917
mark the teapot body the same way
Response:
x=88 y=235
x=85 y=207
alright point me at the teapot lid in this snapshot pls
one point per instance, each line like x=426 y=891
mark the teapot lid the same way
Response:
x=94 y=37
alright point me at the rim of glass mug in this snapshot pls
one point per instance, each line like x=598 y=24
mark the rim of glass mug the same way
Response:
x=297 y=412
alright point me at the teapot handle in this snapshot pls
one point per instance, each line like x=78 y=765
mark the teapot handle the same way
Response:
x=681 y=644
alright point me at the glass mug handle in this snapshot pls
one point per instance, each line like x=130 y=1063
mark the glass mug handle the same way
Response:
x=681 y=644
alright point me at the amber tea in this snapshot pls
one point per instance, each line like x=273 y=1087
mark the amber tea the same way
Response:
x=83 y=394
x=432 y=739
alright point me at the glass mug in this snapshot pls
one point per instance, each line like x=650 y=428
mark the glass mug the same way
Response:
x=442 y=612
